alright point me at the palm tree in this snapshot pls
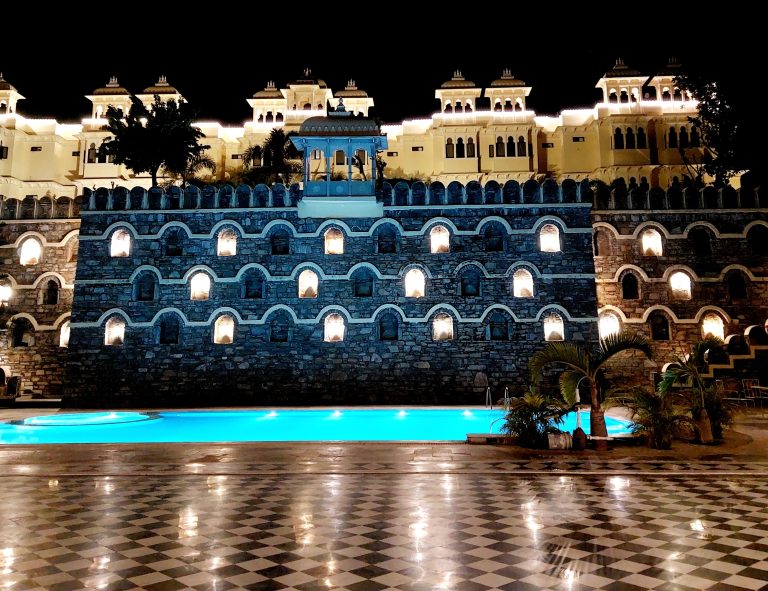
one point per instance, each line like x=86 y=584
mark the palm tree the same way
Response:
x=277 y=153
x=195 y=164
x=585 y=362
x=686 y=370
x=252 y=156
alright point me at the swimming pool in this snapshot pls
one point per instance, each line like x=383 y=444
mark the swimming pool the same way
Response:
x=408 y=424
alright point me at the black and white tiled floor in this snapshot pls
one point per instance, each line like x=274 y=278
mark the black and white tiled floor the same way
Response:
x=389 y=531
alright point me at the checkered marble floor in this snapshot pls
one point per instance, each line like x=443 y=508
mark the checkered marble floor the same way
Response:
x=397 y=532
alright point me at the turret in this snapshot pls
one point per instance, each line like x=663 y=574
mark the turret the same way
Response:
x=8 y=96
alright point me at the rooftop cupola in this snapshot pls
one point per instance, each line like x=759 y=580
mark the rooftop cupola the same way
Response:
x=8 y=96
x=507 y=93
x=622 y=84
x=458 y=95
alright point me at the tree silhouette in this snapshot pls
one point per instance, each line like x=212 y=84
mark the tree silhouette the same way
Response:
x=276 y=160
x=147 y=139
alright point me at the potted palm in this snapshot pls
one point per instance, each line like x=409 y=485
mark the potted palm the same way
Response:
x=655 y=415
x=532 y=417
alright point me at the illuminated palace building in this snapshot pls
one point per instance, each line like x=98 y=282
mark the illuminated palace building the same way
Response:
x=340 y=286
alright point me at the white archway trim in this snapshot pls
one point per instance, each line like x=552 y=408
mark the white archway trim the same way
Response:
x=668 y=311
x=40 y=237
x=654 y=225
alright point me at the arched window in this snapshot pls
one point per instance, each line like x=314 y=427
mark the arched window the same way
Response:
x=470 y=284
x=414 y=284
x=120 y=246
x=114 y=332
x=470 y=148
x=498 y=327
x=491 y=151
x=308 y=284
x=279 y=331
x=449 y=148
x=549 y=238
x=227 y=243
x=200 y=286
x=340 y=157
x=695 y=138
x=554 y=329
x=672 y=138
x=224 y=330
x=442 y=328
x=712 y=326
x=51 y=293
x=684 y=137
x=608 y=324
x=630 y=138
x=613 y=97
x=253 y=286
x=737 y=286
x=145 y=288
x=630 y=287
x=333 y=328
x=500 y=147
x=387 y=240
x=458 y=108
x=680 y=284
x=618 y=139
x=439 y=239
x=651 y=243
x=173 y=244
x=468 y=107
x=642 y=140
x=522 y=284
x=388 y=327
x=757 y=240
x=280 y=243
x=334 y=241
x=497 y=106
x=508 y=105
x=362 y=284
x=23 y=334
x=31 y=252
x=448 y=108
x=601 y=243
x=64 y=335
x=169 y=330
x=700 y=242
x=659 y=327
x=493 y=238
x=521 y=149
x=460 y=148
x=510 y=147
x=92 y=154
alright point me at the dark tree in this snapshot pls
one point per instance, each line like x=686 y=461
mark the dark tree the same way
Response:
x=276 y=160
x=148 y=139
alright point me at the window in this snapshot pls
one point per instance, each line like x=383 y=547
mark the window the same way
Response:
x=333 y=328
x=362 y=285
x=253 y=287
x=308 y=284
x=224 y=330
x=415 y=149
x=169 y=330
x=227 y=243
x=493 y=239
x=608 y=325
x=3 y=152
x=173 y=246
x=500 y=147
x=651 y=243
x=145 y=287
x=470 y=148
x=64 y=335
x=120 y=246
x=31 y=252
x=498 y=327
x=737 y=286
x=548 y=145
x=200 y=286
x=577 y=139
x=510 y=147
x=601 y=243
x=340 y=157
x=642 y=141
x=414 y=284
x=36 y=149
x=630 y=287
x=51 y=293
x=521 y=149
x=439 y=240
x=91 y=154
x=236 y=156
x=618 y=139
x=460 y=152
x=442 y=328
x=683 y=137
x=387 y=240
x=630 y=139
x=549 y=238
x=522 y=284
x=278 y=331
x=449 y=148
x=334 y=241
x=659 y=327
x=700 y=243
x=388 y=327
x=316 y=154
x=114 y=332
x=280 y=243
x=470 y=284
x=680 y=284
x=554 y=329
x=395 y=153
x=672 y=138
x=23 y=333
x=712 y=326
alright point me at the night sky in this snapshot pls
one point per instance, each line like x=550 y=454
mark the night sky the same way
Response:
x=217 y=71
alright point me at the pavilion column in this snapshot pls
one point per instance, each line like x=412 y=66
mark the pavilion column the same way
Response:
x=349 y=166
x=327 y=168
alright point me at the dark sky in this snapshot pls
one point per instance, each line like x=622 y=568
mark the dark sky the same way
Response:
x=217 y=68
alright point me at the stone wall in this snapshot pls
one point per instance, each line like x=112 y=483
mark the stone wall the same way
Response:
x=363 y=369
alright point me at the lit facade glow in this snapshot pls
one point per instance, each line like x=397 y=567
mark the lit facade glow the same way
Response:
x=442 y=328
x=31 y=252
x=308 y=284
x=439 y=239
x=608 y=325
x=522 y=284
x=554 y=329
x=226 y=244
x=224 y=330
x=64 y=335
x=334 y=241
x=120 y=246
x=712 y=326
x=6 y=293
x=651 y=243
x=114 y=332
x=549 y=238
x=415 y=284
x=680 y=283
x=200 y=286
x=334 y=328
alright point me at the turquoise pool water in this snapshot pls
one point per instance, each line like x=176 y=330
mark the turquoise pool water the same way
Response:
x=444 y=424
